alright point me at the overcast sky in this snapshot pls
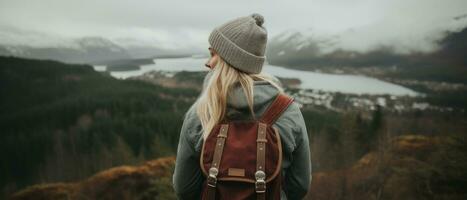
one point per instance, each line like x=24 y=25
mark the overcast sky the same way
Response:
x=175 y=23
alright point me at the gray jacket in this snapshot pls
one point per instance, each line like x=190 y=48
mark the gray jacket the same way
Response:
x=296 y=164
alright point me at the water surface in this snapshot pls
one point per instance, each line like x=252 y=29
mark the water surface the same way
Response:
x=354 y=84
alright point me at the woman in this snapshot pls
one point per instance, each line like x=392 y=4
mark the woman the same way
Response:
x=236 y=89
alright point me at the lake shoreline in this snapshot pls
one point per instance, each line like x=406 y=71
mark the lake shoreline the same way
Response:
x=344 y=83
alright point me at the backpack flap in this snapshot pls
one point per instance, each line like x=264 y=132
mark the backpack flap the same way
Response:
x=238 y=161
x=248 y=152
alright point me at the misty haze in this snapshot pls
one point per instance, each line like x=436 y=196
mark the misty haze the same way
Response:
x=94 y=93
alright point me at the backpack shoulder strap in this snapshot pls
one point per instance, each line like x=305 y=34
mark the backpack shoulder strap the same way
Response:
x=277 y=107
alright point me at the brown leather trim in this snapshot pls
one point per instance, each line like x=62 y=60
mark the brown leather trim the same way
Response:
x=276 y=108
x=236 y=172
x=219 y=148
x=279 y=164
x=237 y=179
x=261 y=147
x=278 y=168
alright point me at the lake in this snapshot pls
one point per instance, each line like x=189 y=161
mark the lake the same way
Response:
x=354 y=84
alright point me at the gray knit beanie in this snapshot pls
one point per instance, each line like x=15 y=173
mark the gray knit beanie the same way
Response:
x=241 y=43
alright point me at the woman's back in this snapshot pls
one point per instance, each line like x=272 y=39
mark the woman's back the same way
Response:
x=296 y=164
x=235 y=89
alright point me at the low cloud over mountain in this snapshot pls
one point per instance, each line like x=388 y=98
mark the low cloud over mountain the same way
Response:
x=306 y=48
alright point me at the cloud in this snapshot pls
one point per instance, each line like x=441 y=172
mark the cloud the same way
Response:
x=411 y=25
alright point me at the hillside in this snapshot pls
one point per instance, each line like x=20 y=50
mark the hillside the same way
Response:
x=413 y=167
x=63 y=122
x=152 y=180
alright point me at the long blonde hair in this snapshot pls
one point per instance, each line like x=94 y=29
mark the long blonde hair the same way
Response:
x=212 y=103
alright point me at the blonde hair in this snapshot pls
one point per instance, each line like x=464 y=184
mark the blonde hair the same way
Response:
x=212 y=103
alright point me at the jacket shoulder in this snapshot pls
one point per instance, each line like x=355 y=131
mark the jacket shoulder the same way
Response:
x=192 y=128
x=290 y=125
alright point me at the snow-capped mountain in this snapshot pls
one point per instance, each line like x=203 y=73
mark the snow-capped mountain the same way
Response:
x=303 y=39
x=81 y=50
x=91 y=50
x=98 y=43
x=296 y=46
x=306 y=48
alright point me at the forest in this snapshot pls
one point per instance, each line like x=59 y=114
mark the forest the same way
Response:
x=62 y=123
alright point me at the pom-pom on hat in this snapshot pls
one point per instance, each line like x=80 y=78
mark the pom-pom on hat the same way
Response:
x=241 y=42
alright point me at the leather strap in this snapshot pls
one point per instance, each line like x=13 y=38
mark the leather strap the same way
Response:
x=212 y=180
x=261 y=147
x=260 y=185
x=277 y=107
x=219 y=145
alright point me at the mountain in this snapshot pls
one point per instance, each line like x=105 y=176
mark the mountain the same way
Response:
x=305 y=51
x=82 y=50
x=358 y=47
x=304 y=48
x=454 y=48
x=90 y=49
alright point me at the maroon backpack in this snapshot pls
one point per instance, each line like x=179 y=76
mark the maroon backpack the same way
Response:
x=242 y=159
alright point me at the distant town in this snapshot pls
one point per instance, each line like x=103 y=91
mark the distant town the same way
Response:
x=336 y=101
x=344 y=102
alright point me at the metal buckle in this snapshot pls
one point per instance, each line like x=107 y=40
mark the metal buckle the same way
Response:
x=212 y=178
x=260 y=184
